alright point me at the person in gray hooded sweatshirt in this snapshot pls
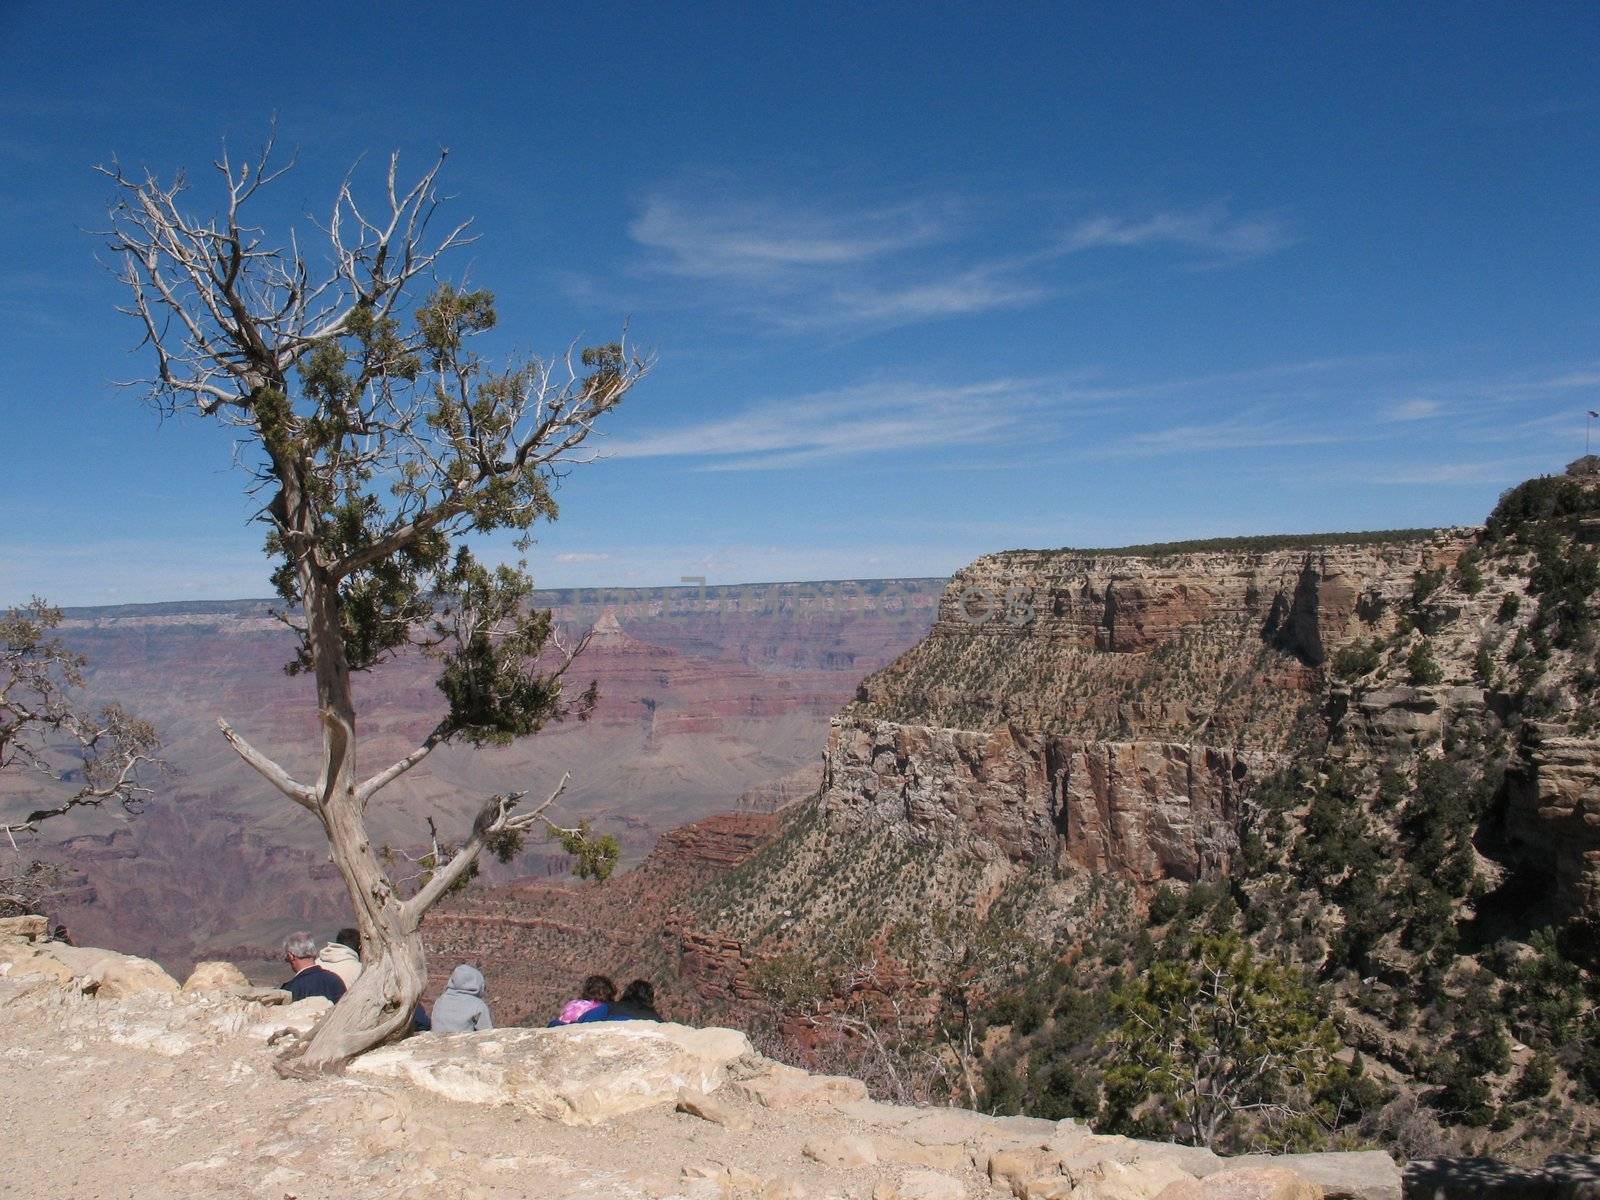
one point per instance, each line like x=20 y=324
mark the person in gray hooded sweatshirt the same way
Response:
x=460 y=1007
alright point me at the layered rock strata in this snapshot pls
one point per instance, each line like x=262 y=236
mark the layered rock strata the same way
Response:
x=1109 y=711
x=1553 y=816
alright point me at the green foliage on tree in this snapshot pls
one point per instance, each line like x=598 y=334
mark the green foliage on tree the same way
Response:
x=1218 y=1041
x=1422 y=668
x=1357 y=660
x=1536 y=502
x=1426 y=584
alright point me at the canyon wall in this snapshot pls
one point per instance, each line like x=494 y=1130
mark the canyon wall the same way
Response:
x=1108 y=711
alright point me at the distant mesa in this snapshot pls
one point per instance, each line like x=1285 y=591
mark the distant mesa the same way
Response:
x=607 y=632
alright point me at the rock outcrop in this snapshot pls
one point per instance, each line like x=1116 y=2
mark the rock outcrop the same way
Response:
x=578 y=1075
x=1553 y=815
x=1140 y=811
x=1106 y=711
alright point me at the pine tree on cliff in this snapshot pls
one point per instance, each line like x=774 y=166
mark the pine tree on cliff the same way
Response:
x=378 y=440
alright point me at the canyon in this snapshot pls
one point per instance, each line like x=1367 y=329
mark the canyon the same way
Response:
x=1069 y=716
x=1376 y=756
x=707 y=695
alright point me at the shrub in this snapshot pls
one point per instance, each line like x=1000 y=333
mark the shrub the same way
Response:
x=1548 y=498
x=1214 y=1037
x=1421 y=666
x=1426 y=584
x=1358 y=659
x=1165 y=905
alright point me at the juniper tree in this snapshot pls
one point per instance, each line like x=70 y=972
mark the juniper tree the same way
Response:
x=379 y=439
x=1217 y=1037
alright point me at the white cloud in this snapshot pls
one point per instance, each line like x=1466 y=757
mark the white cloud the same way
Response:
x=748 y=240
x=1239 y=433
x=867 y=419
x=581 y=557
x=801 y=267
x=1507 y=470
x=1211 y=230
x=1574 y=379
x=1413 y=410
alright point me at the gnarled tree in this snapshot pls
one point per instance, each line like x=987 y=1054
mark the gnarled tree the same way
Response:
x=77 y=755
x=379 y=440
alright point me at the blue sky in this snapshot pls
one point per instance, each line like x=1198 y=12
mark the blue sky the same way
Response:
x=925 y=280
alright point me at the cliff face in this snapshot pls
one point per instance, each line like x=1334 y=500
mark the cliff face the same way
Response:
x=1136 y=810
x=1553 y=818
x=1108 y=711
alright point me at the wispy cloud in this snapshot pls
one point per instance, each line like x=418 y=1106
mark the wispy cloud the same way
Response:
x=1573 y=379
x=1412 y=410
x=816 y=267
x=1236 y=433
x=748 y=240
x=867 y=419
x=581 y=556
x=1211 y=230
x=1507 y=470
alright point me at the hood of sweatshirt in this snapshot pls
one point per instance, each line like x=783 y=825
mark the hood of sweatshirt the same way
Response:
x=337 y=952
x=467 y=979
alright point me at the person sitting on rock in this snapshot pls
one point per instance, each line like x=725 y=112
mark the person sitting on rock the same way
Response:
x=594 y=1004
x=460 y=1008
x=300 y=952
x=342 y=956
x=638 y=1003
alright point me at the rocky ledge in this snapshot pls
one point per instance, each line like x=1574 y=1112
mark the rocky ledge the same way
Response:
x=186 y=1073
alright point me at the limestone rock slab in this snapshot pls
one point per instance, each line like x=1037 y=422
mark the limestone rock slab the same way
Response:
x=578 y=1075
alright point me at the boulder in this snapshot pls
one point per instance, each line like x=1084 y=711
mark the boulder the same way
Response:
x=1086 y=1172
x=906 y=1153
x=1196 y=1160
x=1109 y=1179
x=80 y=960
x=575 y=1074
x=1355 y=1175
x=119 y=976
x=215 y=977
x=29 y=928
x=300 y=1017
x=22 y=960
x=782 y=1087
x=707 y=1109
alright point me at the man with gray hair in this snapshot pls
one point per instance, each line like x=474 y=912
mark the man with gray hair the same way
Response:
x=300 y=952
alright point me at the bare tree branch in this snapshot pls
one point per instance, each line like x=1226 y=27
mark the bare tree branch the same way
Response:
x=300 y=793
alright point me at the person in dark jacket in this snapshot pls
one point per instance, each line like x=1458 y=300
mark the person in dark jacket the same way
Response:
x=638 y=1003
x=300 y=952
x=599 y=993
